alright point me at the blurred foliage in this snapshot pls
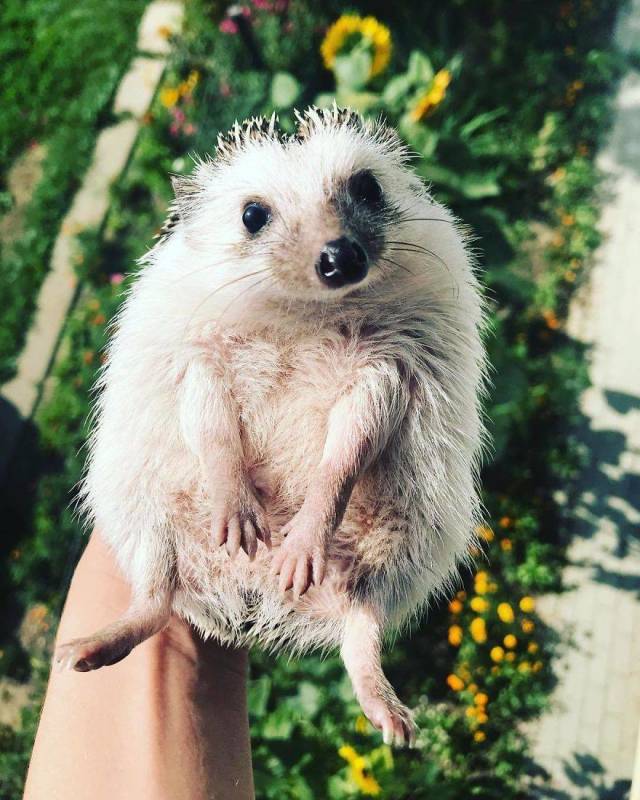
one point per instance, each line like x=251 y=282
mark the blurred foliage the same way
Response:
x=61 y=62
x=504 y=105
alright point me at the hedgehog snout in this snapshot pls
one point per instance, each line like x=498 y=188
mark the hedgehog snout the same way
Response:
x=342 y=261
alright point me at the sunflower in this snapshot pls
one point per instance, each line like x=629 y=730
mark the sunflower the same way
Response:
x=431 y=99
x=351 y=28
x=359 y=772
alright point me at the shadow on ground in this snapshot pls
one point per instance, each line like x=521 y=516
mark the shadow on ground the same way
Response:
x=586 y=780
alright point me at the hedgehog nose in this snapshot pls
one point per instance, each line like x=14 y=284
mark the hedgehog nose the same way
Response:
x=342 y=261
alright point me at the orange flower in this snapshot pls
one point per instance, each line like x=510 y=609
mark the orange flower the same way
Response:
x=455 y=683
x=550 y=318
x=478 y=630
x=455 y=635
x=455 y=606
x=485 y=532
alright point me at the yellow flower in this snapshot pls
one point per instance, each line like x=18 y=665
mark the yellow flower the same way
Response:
x=485 y=532
x=527 y=625
x=479 y=604
x=345 y=28
x=455 y=635
x=506 y=545
x=510 y=641
x=533 y=647
x=482 y=718
x=525 y=666
x=510 y=656
x=431 y=99
x=359 y=772
x=193 y=79
x=505 y=612
x=472 y=687
x=471 y=712
x=481 y=699
x=362 y=724
x=479 y=736
x=455 y=683
x=495 y=670
x=537 y=666
x=169 y=96
x=497 y=654
x=455 y=606
x=478 y=630
x=527 y=604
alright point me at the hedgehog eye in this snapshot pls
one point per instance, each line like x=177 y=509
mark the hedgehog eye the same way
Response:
x=364 y=188
x=254 y=217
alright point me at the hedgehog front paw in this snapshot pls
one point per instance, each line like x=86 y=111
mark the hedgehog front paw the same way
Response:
x=302 y=556
x=239 y=521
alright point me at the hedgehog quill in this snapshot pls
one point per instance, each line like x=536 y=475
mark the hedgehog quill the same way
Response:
x=287 y=433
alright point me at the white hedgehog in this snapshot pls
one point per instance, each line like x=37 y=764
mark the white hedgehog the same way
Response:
x=298 y=362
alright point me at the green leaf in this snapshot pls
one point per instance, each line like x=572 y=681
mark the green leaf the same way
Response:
x=309 y=697
x=420 y=69
x=259 y=691
x=353 y=69
x=285 y=90
x=472 y=185
x=481 y=120
x=397 y=89
x=279 y=724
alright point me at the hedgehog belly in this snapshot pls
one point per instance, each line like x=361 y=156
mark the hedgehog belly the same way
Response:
x=238 y=602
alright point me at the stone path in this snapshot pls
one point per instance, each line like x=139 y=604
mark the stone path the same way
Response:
x=588 y=741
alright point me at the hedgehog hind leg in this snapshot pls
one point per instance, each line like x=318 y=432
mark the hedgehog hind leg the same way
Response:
x=361 y=653
x=114 y=642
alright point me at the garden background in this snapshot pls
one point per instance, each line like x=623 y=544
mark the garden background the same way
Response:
x=504 y=106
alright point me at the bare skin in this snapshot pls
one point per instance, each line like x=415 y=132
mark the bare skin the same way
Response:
x=168 y=722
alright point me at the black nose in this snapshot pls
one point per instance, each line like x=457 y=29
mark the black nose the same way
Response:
x=342 y=261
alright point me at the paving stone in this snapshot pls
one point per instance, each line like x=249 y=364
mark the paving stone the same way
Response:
x=160 y=20
x=138 y=86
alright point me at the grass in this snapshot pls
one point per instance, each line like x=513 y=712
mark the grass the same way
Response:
x=62 y=61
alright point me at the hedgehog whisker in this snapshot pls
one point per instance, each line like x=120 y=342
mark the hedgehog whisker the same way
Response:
x=245 y=290
x=223 y=286
x=397 y=264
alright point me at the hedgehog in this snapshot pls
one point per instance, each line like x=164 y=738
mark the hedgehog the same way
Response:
x=287 y=432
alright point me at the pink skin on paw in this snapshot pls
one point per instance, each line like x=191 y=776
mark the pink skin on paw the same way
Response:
x=239 y=521
x=302 y=557
x=114 y=642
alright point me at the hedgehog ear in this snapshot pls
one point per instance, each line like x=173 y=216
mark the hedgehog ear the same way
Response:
x=183 y=190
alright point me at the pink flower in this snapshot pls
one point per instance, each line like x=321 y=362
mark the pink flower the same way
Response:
x=174 y=129
x=228 y=26
x=264 y=5
x=189 y=129
x=178 y=115
x=116 y=279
